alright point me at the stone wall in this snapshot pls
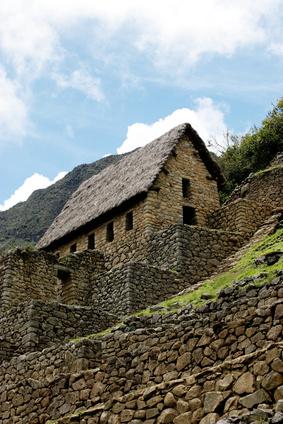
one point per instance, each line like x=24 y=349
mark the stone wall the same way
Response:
x=75 y=272
x=166 y=202
x=133 y=287
x=242 y=215
x=127 y=244
x=217 y=354
x=265 y=187
x=71 y=357
x=193 y=252
x=233 y=388
x=36 y=325
x=26 y=275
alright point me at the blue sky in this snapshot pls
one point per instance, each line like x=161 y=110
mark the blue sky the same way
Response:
x=80 y=79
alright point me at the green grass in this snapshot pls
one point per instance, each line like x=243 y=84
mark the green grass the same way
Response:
x=264 y=171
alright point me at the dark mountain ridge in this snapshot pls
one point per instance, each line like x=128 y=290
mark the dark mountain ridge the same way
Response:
x=25 y=223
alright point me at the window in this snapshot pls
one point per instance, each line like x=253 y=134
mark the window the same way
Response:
x=129 y=221
x=110 y=232
x=186 y=187
x=189 y=215
x=91 y=241
x=73 y=248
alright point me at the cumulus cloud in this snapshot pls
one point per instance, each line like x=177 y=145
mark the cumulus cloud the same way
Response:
x=13 y=111
x=35 y=182
x=207 y=119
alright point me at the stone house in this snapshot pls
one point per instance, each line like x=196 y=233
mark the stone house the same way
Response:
x=172 y=180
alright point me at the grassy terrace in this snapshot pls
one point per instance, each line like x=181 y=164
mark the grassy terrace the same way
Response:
x=246 y=267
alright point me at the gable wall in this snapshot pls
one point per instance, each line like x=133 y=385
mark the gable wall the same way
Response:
x=167 y=204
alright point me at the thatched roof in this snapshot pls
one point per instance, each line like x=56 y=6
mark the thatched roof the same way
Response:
x=122 y=181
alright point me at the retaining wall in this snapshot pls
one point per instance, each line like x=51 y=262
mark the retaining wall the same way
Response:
x=244 y=216
x=193 y=252
x=265 y=187
x=36 y=325
x=133 y=287
x=230 y=334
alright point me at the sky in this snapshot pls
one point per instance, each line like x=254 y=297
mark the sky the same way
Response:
x=81 y=79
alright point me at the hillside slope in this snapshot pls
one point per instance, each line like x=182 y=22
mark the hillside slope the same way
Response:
x=27 y=221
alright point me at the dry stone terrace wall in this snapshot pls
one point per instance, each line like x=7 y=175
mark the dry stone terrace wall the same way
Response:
x=193 y=252
x=233 y=388
x=264 y=187
x=71 y=357
x=244 y=216
x=133 y=287
x=36 y=325
x=158 y=349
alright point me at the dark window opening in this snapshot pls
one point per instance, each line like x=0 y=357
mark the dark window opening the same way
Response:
x=129 y=221
x=189 y=215
x=110 y=232
x=186 y=187
x=73 y=248
x=91 y=242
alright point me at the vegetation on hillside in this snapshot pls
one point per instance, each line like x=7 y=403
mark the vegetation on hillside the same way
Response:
x=253 y=151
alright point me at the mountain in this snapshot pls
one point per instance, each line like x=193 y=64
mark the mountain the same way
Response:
x=25 y=223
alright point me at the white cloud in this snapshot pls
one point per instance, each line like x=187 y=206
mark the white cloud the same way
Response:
x=169 y=32
x=44 y=38
x=207 y=120
x=276 y=49
x=35 y=182
x=27 y=39
x=13 y=111
x=81 y=80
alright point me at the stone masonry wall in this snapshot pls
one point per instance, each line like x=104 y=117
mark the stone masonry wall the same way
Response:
x=36 y=325
x=26 y=275
x=264 y=187
x=75 y=285
x=133 y=287
x=193 y=252
x=166 y=202
x=127 y=244
x=71 y=357
x=244 y=216
x=234 y=388
x=143 y=358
